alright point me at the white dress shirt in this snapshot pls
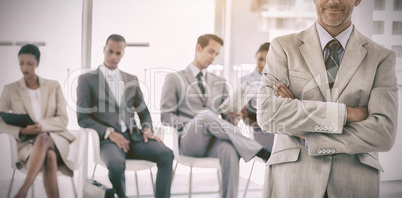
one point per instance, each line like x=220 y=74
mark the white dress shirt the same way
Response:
x=118 y=82
x=36 y=103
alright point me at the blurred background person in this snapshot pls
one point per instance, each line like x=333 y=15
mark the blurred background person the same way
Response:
x=249 y=111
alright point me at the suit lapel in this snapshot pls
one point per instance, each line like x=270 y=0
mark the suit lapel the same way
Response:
x=352 y=58
x=209 y=79
x=126 y=98
x=193 y=81
x=125 y=95
x=312 y=54
x=23 y=92
x=45 y=92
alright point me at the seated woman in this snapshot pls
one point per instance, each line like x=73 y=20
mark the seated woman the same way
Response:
x=44 y=145
x=249 y=111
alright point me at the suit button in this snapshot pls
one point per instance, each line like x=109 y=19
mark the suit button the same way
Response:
x=320 y=128
x=328 y=158
x=333 y=150
x=330 y=129
x=325 y=128
x=323 y=151
x=316 y=127
x=328 y=150
x=319 y=151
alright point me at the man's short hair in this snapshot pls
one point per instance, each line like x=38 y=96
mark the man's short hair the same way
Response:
x=263 y=47
x=30 y=49
x=116 y=37
x=203 y=40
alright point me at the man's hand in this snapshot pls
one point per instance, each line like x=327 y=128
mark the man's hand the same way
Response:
x=32 y=129
x=282 y=91
x=235 y=117
x=148 y=134
x=120 y=140
x=356 y=114
x=301 y=136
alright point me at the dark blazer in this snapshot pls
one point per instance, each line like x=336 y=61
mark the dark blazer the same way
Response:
x=98 y=110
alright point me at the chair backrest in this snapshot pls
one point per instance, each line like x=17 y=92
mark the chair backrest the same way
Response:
x=13 y=150
x=176 y=150
x=159 y=132
x=79 y=146
x=94 y=137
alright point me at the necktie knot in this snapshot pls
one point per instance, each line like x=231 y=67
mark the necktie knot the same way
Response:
x=199 y=75
x=334 y=45
x=112 y=76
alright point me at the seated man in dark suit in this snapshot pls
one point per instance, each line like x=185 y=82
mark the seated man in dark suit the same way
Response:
x=107 y=99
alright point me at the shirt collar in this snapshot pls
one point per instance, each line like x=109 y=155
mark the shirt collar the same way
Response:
x=194 y=69
x=106 y=71
x=325 y=37
x=256 y=72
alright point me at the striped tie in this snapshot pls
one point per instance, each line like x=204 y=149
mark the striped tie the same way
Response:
x=200 y=83
x=332 y=62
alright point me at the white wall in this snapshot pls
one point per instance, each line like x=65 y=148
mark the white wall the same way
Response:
x=57 y=23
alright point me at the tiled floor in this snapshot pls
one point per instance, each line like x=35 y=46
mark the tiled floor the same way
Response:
x=201 y=182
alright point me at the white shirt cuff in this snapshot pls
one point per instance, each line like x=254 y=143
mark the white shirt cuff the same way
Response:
x=108 y=132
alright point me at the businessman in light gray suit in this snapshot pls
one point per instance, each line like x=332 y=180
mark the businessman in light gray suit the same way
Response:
x=107 y=99
x=330 y=95
x=190 y=101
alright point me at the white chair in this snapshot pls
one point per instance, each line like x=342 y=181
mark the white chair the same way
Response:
x=255 y=159
x=197 y=162
x=78 y=146
x=131 y=164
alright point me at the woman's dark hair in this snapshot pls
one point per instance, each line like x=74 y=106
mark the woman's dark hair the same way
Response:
x=30 y=49
x=264 y=47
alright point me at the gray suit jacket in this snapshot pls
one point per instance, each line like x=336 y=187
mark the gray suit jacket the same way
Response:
x=366 y=77
x=182 y=99
x=98 y=110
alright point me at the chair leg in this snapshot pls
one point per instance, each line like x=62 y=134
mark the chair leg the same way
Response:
x=191 y=175
x=136 y=184
x=152 y=180
x=220 y=183
x=11 y=185
x=93 y=172
x=32 y=188
x=75 y=190
x=174 y=170
x=248 y=181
